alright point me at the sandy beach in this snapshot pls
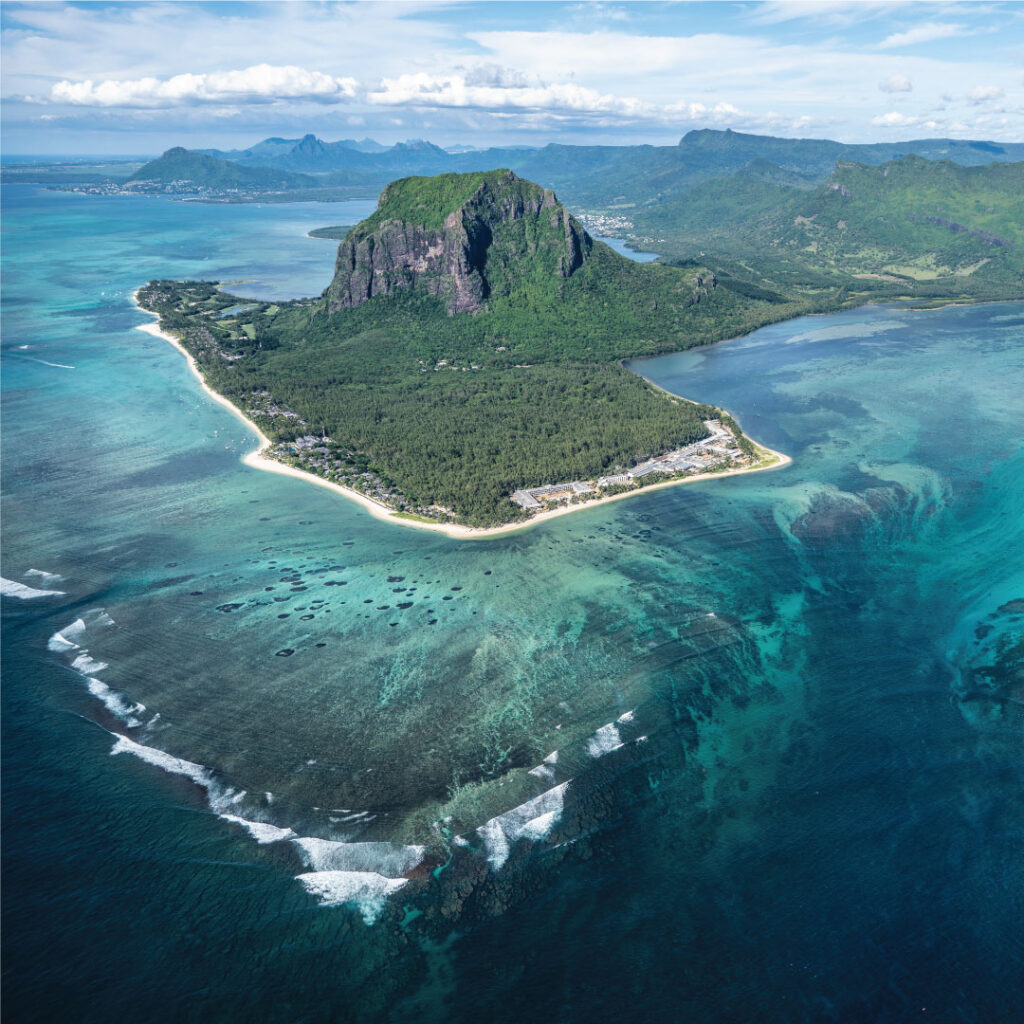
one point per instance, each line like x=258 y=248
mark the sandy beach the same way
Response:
x=258 y=460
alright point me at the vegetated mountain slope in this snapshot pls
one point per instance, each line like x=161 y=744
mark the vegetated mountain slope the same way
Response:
x=210 y=172
x=928 y=227
x=468 y=346
x=931 y=218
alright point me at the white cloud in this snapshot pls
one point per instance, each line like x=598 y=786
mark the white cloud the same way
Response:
x=895 y=83
x=784 y=68
x=261 y=83
x=894 y=119
x=922 y=34
x=720 y=113
x=478 y=89
x=984 y=94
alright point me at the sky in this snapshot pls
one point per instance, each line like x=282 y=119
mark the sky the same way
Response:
x=137 y=78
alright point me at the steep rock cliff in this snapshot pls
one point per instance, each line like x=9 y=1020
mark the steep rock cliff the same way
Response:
x=461 y=237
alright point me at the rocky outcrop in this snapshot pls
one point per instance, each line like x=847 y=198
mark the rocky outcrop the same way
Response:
x=507 y=230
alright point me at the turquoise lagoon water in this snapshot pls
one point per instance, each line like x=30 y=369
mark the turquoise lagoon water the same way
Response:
x=742 y=750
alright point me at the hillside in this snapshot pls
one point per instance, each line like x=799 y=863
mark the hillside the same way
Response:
x=467 y=347
x=179 y=165
x=928 y=228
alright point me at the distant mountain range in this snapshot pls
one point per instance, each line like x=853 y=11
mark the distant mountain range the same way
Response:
x=606 y=175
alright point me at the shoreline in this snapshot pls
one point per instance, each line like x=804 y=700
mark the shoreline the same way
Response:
x=257 y=460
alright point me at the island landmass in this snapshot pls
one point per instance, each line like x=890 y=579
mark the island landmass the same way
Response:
x=463 y=369
x=466 y=368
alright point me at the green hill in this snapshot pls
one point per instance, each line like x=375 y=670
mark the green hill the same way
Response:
x=927 y=219
x=929 y=228
x=200 y=170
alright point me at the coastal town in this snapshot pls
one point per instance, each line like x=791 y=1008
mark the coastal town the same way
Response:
x=183 y=189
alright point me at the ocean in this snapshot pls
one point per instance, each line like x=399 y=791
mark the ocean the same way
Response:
x=743 y=750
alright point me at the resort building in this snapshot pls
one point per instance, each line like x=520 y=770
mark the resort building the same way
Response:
x=531 y=499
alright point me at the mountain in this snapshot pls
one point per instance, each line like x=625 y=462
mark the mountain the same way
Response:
x=916 y=210
x=624 y=176
x=181 y=165
x=458 y=237
x=366 y=145
x=928 y=226
x=468 y=346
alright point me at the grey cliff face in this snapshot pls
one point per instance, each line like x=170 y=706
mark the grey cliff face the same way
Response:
x=452 y=262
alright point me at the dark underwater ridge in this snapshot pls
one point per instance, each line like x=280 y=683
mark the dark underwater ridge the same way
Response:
x=742 y=750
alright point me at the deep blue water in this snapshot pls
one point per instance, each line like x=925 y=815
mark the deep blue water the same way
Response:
x=786 y=706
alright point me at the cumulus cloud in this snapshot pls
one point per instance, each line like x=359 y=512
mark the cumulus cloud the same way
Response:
x=261 y=83
x=925 y=33
x=497 y=90
x=498 y=76
x=720 y=113
x=894 y=119
x=895 y=83
x=984 y=94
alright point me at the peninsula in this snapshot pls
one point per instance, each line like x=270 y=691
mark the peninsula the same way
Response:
x=462 y=370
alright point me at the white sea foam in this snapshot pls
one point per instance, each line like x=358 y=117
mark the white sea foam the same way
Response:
x=68 y=638
x=46 y=578
x=46 y=362
x=538 y=828
x=261 y=831
x=544 y=770
x=343 y=872
x=220 y=798
x=604 y=741
x=11 y=588
x=59 y=642
x=116 y=704
x=532 y=820
x=392 y=860
x=366 y=889
x=627 y=717
x=88 y=666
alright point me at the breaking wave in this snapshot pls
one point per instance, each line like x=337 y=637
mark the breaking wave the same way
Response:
x=532 y=820
x=366 y=889
x=11 y=588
